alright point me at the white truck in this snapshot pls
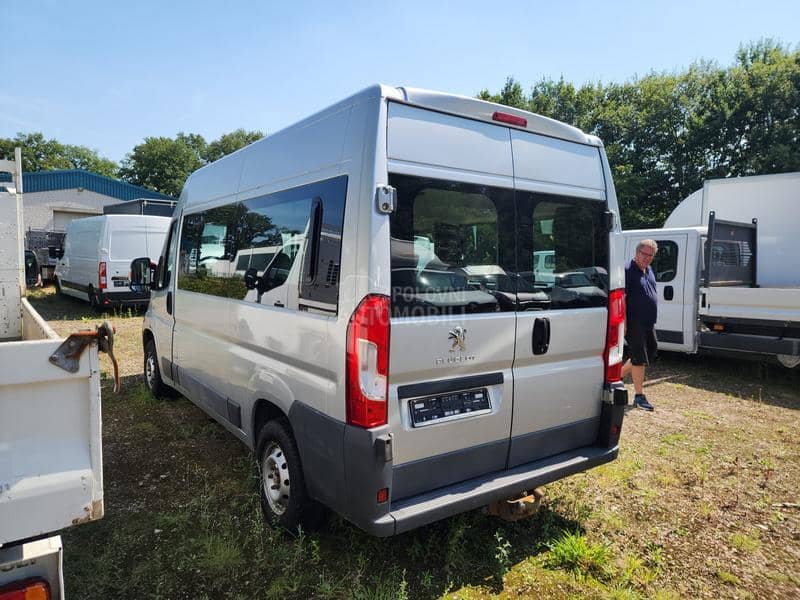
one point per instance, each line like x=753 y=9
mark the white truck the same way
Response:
x=51 y=473
x=727 y=273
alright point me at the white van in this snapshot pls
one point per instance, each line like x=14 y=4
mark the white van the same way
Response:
x=95 y=261
x=396 y=360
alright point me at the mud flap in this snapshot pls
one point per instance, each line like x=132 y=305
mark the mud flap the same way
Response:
x=611 y=415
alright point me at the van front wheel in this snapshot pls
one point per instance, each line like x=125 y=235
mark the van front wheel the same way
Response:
x=284 y=498
x=152 y=373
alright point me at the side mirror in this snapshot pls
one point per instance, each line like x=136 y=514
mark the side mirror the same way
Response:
x=143 y=274
x=250 y=278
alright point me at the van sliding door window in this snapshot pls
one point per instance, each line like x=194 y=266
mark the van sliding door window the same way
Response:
x=563 y=252
x=452 y=248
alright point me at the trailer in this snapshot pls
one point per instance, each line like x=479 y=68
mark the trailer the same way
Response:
x=51 y=467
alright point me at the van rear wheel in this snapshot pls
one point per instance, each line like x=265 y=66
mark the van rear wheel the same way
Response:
x=284 y=498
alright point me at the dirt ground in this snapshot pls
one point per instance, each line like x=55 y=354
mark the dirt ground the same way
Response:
x=702 y=502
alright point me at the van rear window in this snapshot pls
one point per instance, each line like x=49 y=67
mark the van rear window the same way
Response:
x=462 y=248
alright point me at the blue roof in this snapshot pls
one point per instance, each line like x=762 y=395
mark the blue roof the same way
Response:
x=68 y=179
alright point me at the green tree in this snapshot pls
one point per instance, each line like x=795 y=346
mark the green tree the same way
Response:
x=230 y=142
x=162 y=163
x=665 y=133
x=40 y=154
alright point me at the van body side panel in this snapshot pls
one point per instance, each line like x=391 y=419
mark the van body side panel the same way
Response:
x=202 y=349
x=280 y=355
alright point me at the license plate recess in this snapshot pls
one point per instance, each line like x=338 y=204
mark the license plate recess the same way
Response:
x=448 y=407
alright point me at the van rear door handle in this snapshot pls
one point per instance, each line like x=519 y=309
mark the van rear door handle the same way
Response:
x=540 y=339
x=278 y=303
x=669 y=292
x=169 y=303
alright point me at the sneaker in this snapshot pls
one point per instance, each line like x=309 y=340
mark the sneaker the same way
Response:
x=640 y=400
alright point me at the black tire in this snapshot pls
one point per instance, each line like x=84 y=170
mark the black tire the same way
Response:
x=289 y=505
x=152 y=373
x=94 y=301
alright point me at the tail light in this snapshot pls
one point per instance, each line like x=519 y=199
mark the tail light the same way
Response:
x=30 y=589
x=615 y=337
x=510 y=119
x=102 y=280
x=367 y=362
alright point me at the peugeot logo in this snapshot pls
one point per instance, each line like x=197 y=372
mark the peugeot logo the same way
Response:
x=459 y=338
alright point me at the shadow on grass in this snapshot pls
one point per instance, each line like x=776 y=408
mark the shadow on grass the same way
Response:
x=60 y=307
x=764 y=382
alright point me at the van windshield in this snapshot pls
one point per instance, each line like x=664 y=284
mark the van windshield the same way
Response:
x=464 y=248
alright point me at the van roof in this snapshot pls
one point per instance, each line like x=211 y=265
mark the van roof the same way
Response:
x=473 y=108
x=482 y=110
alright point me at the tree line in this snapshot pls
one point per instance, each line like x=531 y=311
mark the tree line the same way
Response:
x=664 y=133
x=158 y=163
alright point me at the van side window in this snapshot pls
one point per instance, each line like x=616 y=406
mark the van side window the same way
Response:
x=665 y=263
x=259 y=239
x=452 y=248
x=563 y=251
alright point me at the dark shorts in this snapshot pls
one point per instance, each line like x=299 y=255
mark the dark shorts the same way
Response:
x=641 y=345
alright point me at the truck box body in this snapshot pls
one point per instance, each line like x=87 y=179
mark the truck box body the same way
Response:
x=773 y=199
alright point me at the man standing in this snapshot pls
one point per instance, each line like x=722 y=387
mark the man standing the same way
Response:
x=641 y=299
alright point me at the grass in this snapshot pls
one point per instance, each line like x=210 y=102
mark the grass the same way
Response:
x=745 y=543
x=572 y=552
x=680 y=513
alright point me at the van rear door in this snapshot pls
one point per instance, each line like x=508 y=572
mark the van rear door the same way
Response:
x=453 y=321
x=562 y=319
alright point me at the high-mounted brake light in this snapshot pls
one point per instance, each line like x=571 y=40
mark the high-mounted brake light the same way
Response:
x=615 y=336
x=510 y=119
x=102 y=281
x=367 y=362
x=29 y=589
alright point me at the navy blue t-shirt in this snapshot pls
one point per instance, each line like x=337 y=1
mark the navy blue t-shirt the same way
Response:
x=641 y=295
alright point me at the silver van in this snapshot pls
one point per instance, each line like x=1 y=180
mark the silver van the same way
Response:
x=396 y=359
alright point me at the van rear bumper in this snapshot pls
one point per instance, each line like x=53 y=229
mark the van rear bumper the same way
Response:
x=426 y=508
x=123 y=298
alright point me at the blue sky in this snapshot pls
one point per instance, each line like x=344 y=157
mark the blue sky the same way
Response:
x=108 y=74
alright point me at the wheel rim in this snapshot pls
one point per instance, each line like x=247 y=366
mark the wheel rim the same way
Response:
x=150 y=371
x=275 y=478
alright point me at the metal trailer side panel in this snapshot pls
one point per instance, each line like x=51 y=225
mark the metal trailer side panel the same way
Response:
x=50 y=426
